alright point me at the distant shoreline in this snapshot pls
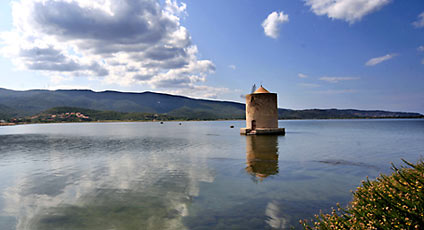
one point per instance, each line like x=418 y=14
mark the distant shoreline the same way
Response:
x=7 y=124
x=164 y=121
x=35 y=106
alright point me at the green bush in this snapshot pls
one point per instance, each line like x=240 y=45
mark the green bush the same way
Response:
x=389 y=202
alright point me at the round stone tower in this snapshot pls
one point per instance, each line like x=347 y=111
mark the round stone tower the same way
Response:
x=261 y=113
x=261 y=109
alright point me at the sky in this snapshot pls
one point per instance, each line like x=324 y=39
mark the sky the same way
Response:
x=359 y=54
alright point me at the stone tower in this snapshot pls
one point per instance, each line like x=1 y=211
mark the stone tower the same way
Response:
x=261 y=113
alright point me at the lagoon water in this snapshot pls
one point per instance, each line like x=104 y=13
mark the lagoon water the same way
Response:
x=197 y=175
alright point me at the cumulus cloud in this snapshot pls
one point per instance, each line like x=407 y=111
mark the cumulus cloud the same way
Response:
x=378 y=60
x=348 y=10
x=419 y=23
x=337 y=79
x=121 y=42
x=272 y=23
x=301 y=75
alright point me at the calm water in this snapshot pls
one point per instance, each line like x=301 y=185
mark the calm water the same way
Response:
x=198 y=175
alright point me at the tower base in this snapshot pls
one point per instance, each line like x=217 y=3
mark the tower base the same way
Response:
x=263 y=131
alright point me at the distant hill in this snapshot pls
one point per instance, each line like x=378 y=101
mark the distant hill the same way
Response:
x=32 y=102
x=73 y=114
x=342 y=114
x=6 y=112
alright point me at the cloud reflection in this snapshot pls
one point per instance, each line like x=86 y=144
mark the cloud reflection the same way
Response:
x=132 y=188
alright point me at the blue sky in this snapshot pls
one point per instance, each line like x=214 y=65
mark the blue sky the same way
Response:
x=362 y=54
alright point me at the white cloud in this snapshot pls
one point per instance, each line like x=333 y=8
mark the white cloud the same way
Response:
x=337 y=91
x=56 y=79
x=420 y=21
x=421 y=49
x=202 y=91
x=348 y=10
x=122 y=42
x=233 y=67
x=272 y=23
x=56 y=87
x=301 y=75
x=309 y=85
x=337 y=79
x=378 y=60
x=172 y=7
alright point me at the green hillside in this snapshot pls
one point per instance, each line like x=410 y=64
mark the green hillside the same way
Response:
x=32 y=102
x=113 y=105
x=73 y=114
x=7 y=112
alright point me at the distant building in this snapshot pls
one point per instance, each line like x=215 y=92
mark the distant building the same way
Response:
x=261 y=113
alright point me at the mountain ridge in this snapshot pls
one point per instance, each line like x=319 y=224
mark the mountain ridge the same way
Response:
x=31 y=102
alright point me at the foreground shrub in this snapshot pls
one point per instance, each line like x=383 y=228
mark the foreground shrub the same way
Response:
x=389 y=202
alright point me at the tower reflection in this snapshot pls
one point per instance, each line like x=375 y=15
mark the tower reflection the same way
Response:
x=262 y=155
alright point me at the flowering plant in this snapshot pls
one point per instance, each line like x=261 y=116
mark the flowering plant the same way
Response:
x=389 y=202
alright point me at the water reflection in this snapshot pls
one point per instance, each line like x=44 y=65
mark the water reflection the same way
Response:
x=275 y=218
x=138 y=176
x=136 y=186
x=262 y=156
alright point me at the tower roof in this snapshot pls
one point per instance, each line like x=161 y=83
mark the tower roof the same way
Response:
x=261 y=90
